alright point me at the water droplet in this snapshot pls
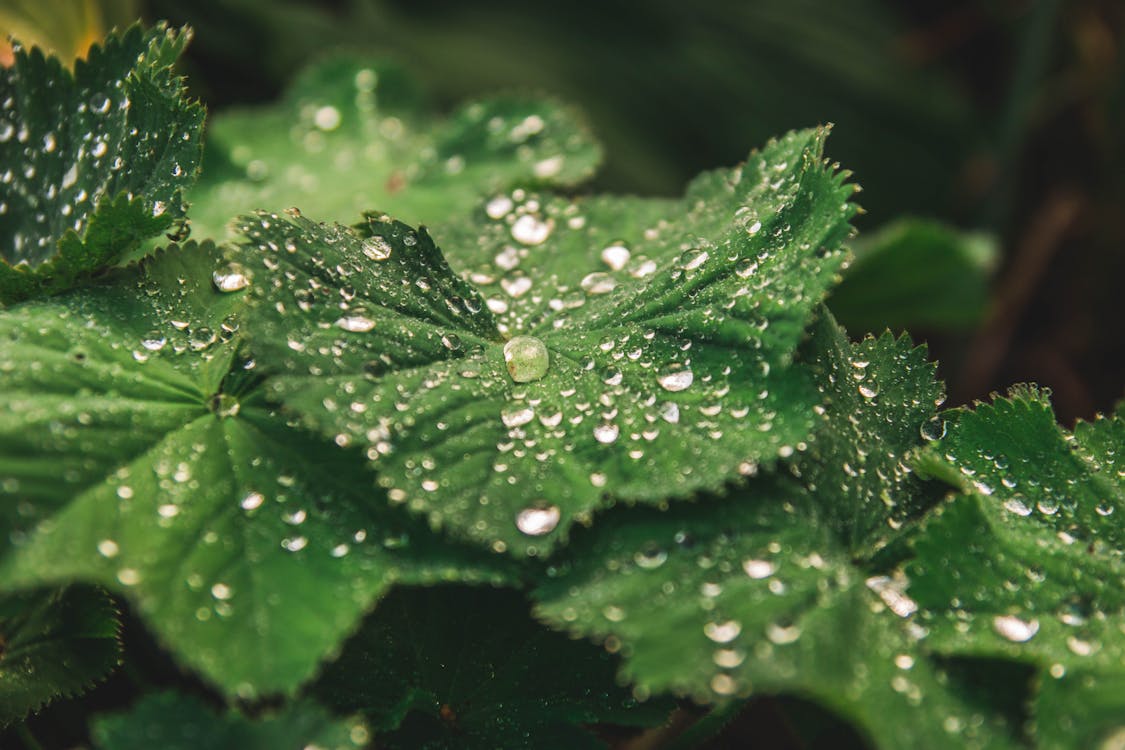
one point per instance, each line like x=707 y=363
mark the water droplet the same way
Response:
x=758 y=569
x=355 y=323
x=650 y=557
x=499 y=207
x=932 y=429
x=782 y=634
x=516 y=417
x=108 y=548
x=527 y=358
x=538 y=521
x=1016 y=505
x=327 y=118
x=252 y=500
x=1015 y=629
x=221 y=591
x=675 y=378
x=868 y=390
x=722 y=632
x=230 y=278
x=530 y=230
x=598 y=283
x=616 y=256
x=606 y=433
x=377 y=248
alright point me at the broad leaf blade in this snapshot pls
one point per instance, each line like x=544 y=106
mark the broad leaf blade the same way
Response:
x=53 y=644
x=750 y=596
x=658 y=383
x=351 y=135
x=496 y=679
x=1036 y=540
x=183 y=722
x=94 y=161
x=138 y=453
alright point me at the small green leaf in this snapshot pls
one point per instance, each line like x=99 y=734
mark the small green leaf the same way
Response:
x=915 y=273
x=94 y=161
x=667 y=329
x=880 y=399
x=352 y=134
x=467 y=668
x=138 y=453
x=53 y=644
x=1036 y=542
x=182 y=722
x=753 y=595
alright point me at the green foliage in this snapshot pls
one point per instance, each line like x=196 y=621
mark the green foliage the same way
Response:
x=94 y=161
x=352 y=135
x=638 y=413
x=666 y=373
x=916 y=273
x=183 y=722
x=513 y=685
x=53 y=643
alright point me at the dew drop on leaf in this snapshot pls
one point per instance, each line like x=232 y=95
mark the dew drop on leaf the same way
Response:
x=355 y=323
x=538 y=521
x=377 y=248
x=230 y=278
x=675 y=378
x=526 y=358
x=616 y=256
x=1015 y=629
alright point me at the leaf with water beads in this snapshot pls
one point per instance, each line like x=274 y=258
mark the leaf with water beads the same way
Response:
x=879 y=402
x=352 y=133
x=53 y=643
x=92 y=162
x=137 y=452
x=172 y=721
x=754 y=595
x=462 y=667
x=1027 y=563
x=510 y=423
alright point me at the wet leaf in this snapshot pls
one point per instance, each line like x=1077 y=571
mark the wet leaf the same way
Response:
x=879 y=402
x=183 y=722
x=468 y=667
x=138 y=453
x=353 y=134
x=53 y=644
x=509 y=414
x=916 y=274
x=94 y=161
x=1027 y=563
x=754 y=595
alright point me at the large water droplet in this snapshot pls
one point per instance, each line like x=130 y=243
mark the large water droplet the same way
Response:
x=530 y=230
x=616 y=256
x=377 y=248
x=355 y=323
x=230 y=278
x=675 y=378
x=758 y=568
x=722 y=632
x=527 y=358
x=606 y=433
x=538 y=521
x=1015 y=629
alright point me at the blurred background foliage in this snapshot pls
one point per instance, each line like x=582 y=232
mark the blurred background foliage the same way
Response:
x=997 y=122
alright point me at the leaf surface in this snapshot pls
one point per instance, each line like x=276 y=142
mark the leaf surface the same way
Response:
x=463 y=667
x=642 y=382
x=138 y=452
x=352 y=135
x=1027 y=563
x=53 y=643
x=94 y=161
x=183 y=722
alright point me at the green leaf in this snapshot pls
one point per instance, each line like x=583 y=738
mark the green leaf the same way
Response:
x=53 y=643
x=93 y=161
x=183 y=722
x=1036 y=541
x=467 y=667
x=915 y=274
x=754 y=595
x=138 y=452
x=352 y=134
x=880 y=399
x=662 y=378
x=1079 y=710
